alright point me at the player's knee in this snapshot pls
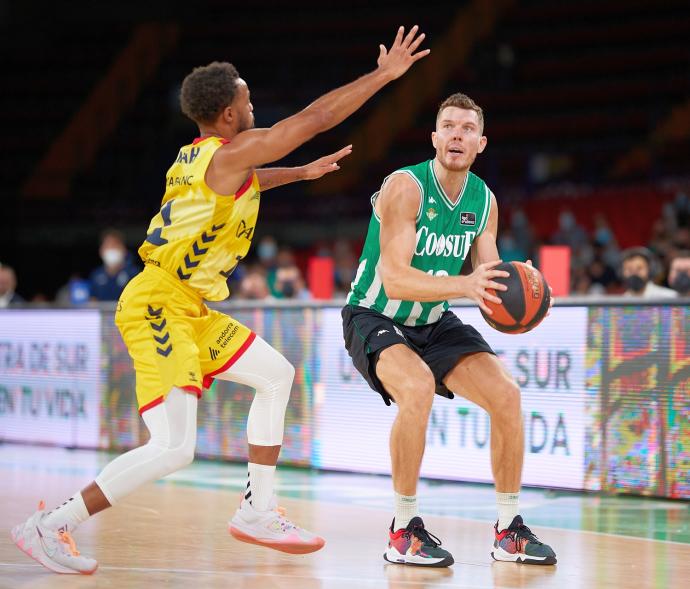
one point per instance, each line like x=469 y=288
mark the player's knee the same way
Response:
x=175 y=457
x=288 y=370
x=273 y=381
x=280 y=378
x=185 y=455
x=285 y=375
x=507 y=400
x=416 y=392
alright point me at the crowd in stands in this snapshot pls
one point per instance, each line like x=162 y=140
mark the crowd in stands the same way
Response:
x=660 y=269
x=600 y=267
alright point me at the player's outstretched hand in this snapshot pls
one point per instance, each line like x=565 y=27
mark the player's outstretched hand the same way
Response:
x=326 y=164
x=480 y=280
x=398 y=59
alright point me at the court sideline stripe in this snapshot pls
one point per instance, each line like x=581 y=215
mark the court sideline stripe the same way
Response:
x=257 y=574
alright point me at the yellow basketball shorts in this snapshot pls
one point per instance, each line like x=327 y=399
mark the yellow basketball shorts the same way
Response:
x=174 y=339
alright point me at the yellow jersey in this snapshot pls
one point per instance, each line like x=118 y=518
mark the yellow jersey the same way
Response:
x=199 y=236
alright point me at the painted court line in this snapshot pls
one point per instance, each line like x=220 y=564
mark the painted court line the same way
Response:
x=318 y=577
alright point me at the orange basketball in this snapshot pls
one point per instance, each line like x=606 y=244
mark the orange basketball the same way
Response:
x=525 y=303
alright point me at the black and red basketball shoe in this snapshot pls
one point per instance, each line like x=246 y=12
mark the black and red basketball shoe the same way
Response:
x=517 y=543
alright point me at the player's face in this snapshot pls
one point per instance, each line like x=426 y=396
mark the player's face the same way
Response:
x=458 y=138
x=242 y=107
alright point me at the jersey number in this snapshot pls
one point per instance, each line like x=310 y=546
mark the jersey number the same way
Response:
x=437 y=272
x=156 y=236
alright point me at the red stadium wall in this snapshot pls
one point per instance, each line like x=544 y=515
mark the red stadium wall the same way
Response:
x=630 y=212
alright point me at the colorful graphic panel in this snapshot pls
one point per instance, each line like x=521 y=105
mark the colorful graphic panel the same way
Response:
x=638 y=399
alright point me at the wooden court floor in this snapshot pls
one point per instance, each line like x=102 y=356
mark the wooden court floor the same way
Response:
x=174 y=533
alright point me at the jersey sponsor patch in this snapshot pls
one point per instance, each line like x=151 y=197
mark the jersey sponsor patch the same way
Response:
x=468 y=218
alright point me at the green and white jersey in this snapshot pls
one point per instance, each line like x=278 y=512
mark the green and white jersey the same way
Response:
x=445 y=232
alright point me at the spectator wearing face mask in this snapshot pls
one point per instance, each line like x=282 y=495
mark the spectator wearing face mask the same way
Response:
x=287 y=280
x=679 y=274
x=107 y=281
x=267 y=250
x=290 y=284
x=638 y=273
x=569 y=232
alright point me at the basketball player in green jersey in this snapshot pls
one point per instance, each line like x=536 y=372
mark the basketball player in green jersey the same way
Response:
x=407 y=344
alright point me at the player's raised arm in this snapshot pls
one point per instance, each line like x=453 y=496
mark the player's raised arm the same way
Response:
x=256 y=147
x=397 y=207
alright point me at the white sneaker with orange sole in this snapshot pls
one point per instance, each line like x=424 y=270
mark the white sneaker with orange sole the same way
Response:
x=55 y=550
x=273 y=530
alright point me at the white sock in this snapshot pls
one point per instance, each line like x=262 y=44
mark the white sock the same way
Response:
x=508 y=508
x=260 y=485
x=67 y=516
x=405 y=510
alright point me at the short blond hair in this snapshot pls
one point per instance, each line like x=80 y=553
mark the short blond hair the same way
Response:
x=460 y=100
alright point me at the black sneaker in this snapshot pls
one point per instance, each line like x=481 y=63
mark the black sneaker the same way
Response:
x=416 y=546
x=517 y=543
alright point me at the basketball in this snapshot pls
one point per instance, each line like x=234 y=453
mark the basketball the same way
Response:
x=525 y=303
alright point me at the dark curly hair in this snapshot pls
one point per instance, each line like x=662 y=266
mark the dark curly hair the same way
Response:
x=208 y=90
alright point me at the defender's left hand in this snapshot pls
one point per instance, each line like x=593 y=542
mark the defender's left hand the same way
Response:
x=325 y=165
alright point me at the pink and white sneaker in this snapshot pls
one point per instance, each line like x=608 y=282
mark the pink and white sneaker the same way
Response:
x=55 y=550
x=272 y=529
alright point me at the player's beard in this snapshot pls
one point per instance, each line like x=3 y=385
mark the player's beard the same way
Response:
x=461 y=166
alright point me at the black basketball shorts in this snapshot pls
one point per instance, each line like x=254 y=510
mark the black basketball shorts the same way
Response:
x=441 y=344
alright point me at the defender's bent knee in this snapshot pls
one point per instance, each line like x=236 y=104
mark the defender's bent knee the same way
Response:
x=171 y=459
x=184 y=456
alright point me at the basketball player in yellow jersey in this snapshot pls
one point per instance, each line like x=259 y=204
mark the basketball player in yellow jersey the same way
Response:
x=204 y=227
